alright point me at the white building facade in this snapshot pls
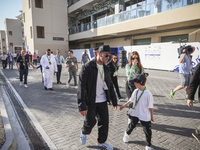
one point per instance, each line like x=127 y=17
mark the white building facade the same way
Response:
x=45 y=25
x=13 y=34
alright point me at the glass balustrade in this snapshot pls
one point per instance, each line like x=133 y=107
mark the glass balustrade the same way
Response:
x=141 y=11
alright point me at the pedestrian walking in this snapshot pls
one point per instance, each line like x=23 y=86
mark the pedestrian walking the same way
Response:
x=185 y=72
x=72 y=65
x=142 y=109
x=95 y=89
x=59 y=60
x=35 y=59
x=85 y=58
x=49 y=68
x=113 y=67
x=11 y=60
x=3 y=60
x=22 y=66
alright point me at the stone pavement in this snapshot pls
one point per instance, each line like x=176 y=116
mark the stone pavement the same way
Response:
x=57 y=113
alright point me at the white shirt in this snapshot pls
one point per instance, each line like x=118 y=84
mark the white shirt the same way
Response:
x=100 y=94
x=141 y=110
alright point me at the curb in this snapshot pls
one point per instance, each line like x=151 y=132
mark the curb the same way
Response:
x=10 y=143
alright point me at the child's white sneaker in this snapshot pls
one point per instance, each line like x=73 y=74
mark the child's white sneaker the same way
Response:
x=148 y=148
x=125 y=138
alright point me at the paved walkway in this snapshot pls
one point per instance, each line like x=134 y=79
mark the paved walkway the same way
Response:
x=57 y=113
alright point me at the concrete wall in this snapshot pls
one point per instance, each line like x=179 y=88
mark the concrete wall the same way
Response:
x=79 y=4
x=16 y=27
x=2 y=41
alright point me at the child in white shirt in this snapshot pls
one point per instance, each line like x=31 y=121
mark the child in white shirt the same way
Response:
x=142 y=109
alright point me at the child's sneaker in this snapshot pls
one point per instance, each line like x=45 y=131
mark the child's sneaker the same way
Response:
x=83 y=138
x=172 y=93
x=25 y=85
x=105 y=146
x=148 y=148
x=125 y=138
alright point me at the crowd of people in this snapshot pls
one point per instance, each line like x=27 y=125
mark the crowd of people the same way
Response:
x=97 y=83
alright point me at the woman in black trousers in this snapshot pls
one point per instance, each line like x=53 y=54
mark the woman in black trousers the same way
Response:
x=113 y=66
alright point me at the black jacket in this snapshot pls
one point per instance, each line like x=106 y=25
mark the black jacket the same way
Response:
x=112 y=68
x=194 y=83
x=87 y=86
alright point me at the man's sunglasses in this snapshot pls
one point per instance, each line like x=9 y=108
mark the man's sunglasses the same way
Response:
x=106 y=55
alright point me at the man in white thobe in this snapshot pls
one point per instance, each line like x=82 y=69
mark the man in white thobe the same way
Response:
x=49 y=68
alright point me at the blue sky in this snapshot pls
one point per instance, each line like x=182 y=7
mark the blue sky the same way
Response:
x=9 y=9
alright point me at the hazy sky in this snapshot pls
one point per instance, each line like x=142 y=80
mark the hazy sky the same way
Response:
x=9 y=9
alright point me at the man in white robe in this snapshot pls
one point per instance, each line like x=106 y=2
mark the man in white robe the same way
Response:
x=49 y=68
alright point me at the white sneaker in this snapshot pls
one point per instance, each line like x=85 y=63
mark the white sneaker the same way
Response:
x=25 y=85
x=20 y=83
x=76 y=87
x=67 y=85
x=125 y=138
x=148 y=148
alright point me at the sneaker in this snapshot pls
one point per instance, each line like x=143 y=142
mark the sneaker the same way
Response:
x=148 y=148
x=125 y=138
x=172 y=93
x=105 y=146
x=121 y=98
x=76 y=87
x=20 y=83
x=83 y=138
x=25 y=85
x=67 y=85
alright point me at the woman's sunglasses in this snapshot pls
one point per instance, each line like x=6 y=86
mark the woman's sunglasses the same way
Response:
x=134 y=58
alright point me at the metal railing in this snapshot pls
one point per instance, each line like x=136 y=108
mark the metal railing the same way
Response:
x=141 y=11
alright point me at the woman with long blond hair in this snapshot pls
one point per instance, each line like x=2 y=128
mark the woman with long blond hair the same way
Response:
x=133 y=67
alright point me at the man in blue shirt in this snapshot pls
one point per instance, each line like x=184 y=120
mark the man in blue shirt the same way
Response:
x=185 y=71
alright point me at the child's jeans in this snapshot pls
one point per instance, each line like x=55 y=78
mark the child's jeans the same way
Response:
x=146 y=128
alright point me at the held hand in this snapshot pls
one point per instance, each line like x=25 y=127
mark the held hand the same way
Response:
x=190 y=103
x=18 y=69
x=47 y=67
x=83 y=113
x=122 y=107
x=115 y=107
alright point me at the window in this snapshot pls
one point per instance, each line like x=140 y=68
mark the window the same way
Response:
x=10 y=33
x=11 y=45
x=86 y=46
x=99 y=44
x=146 y=41
x=175 y=38
x=29 y=3
x=40 y=32
x=31 y=33
x=39 y=3
x=3 y=40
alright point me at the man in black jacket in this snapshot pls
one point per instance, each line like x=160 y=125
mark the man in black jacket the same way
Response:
x=194 y=83
x=95 y=89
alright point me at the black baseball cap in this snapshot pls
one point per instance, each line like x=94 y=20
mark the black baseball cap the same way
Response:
x=138 y=78
x=105 y=49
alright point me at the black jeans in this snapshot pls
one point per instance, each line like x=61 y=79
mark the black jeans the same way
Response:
x=146 y=128
x=98 y=111
x=4 y=64
x=25 y=73
x=129 y=89
x=35 y=62
x=114 y=80
x=58 y=74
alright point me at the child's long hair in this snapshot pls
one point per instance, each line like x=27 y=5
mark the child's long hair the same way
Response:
x=139 y=62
